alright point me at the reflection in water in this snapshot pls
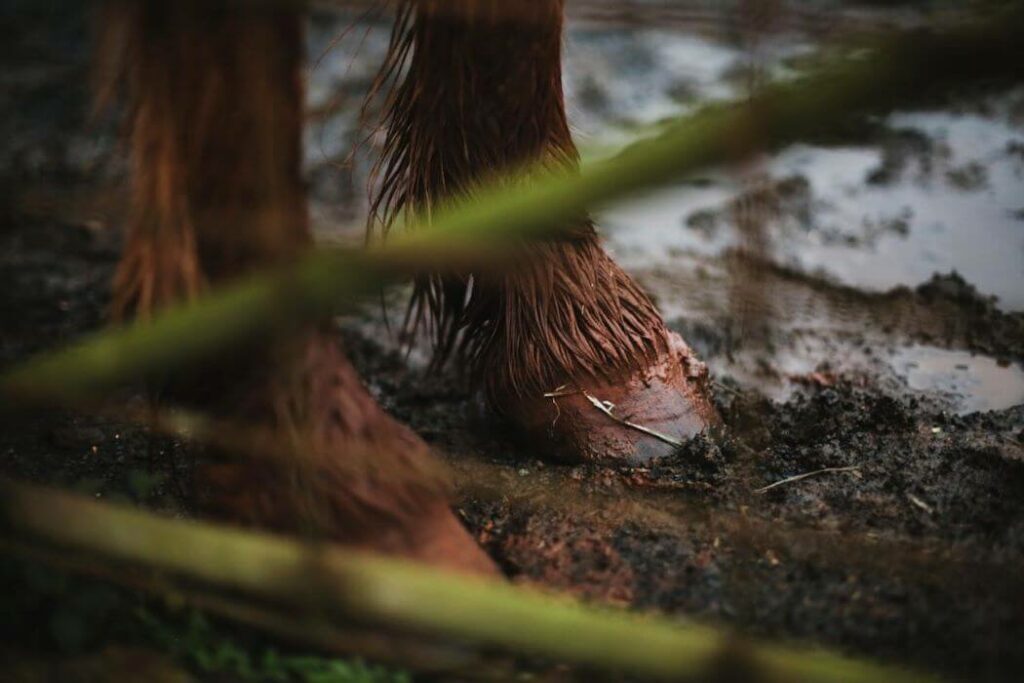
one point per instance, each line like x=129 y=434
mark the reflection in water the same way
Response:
x=953 y=204
x=957 y=381
x=975 y=383
x=749 y=288
x=927 y=192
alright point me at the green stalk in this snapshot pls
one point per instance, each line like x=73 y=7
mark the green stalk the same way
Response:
x=898 y=70
x=322 y=580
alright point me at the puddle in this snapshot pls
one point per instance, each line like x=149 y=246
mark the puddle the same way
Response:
x=955 y=207
x=617 y=79
x=961 y=381
x=940 y=192
x=975 y=383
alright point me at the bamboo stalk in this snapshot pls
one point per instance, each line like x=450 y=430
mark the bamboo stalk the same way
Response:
x=874 y=78
x=326 y=581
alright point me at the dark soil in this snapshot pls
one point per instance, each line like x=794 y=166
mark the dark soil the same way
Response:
x=911 y=557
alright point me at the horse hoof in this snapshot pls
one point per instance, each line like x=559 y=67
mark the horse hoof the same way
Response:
x=644 y=415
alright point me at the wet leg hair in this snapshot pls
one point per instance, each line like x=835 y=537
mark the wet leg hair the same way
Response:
x=214 y=118
x=214 y=115
x=477 y=92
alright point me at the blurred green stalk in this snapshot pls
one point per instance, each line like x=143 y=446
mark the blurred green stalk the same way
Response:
x=324 y=581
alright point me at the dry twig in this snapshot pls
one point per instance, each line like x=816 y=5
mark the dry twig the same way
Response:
x=805 y=475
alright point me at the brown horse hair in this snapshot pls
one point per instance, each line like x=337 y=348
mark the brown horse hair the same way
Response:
x=214 y=124
x=474 y=90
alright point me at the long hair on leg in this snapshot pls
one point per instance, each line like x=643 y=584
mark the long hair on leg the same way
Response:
x=214 y=124
x=476 y=92
x=480 y=94
x=213 y=102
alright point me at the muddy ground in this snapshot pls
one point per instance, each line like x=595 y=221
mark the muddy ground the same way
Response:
x=909 y=550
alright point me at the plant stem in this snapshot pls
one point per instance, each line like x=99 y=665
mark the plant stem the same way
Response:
x=324 y=581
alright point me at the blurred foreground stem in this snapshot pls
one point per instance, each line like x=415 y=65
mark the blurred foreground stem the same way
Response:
x=322 y=581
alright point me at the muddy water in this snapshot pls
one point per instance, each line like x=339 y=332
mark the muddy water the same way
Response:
x=974 y=383
x=960 y=381
x=940 y=192
x=929 y=192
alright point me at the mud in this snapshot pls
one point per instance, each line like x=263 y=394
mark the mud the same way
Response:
x=907 y=549
x=910 y=556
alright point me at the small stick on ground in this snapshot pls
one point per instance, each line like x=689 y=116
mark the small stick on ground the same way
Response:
x=607 y=407
x=917 y=502
x=805 y=475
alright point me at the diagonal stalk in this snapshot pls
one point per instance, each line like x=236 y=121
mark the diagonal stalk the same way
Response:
x=324 y=581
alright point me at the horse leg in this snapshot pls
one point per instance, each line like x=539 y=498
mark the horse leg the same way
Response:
x=215 y=113
x=480 y=94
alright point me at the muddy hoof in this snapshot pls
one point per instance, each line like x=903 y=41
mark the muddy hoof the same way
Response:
x=439 y=540
x=253 y=496
x=333 y=465
x=646 y=415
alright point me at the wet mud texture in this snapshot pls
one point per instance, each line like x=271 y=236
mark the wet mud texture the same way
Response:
x=911 y=554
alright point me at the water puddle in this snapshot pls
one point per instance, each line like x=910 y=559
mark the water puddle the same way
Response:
x=935 y=192
x=974 y=383
x=960 y=381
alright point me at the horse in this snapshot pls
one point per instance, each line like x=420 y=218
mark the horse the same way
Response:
x=472 y=90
